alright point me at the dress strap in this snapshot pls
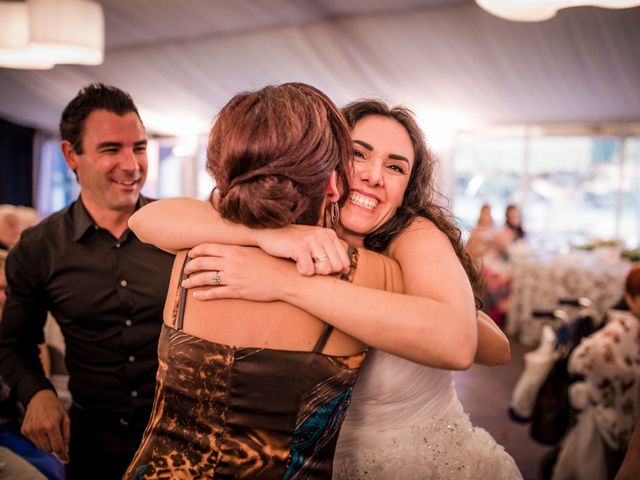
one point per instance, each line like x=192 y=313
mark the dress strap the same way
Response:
x=179 y=323
x=348 y=276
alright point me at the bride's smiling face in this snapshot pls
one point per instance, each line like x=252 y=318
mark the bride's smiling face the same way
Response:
x=382 y=165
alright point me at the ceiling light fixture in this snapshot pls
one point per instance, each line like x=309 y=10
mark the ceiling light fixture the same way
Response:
x=37 y=34
x=539 y=10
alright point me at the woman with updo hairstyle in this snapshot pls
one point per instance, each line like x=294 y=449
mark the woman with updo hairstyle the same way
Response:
x=268 y=173
x=249 y=389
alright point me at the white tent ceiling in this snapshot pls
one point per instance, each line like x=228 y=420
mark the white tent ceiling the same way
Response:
x=181 y=60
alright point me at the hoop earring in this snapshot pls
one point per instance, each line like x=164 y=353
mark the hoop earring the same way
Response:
x=332 y=215
x=335 y=214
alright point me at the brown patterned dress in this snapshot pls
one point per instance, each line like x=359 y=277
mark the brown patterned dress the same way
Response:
x=225 y=412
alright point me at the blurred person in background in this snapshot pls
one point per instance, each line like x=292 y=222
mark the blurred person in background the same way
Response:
x=609 y=397
x=481 y=237
x=9 y=226
x=13 y=220
x=496 y=264
x=510 y=232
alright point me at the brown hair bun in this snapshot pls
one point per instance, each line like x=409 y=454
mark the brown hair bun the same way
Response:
x=272 y=151
x=263 y=199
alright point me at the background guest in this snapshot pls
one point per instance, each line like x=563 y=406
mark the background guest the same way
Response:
x=13 y=220
x=609 y=397
x=481 y=237
x=9 y=227
x=497 y=265
x=510 y=232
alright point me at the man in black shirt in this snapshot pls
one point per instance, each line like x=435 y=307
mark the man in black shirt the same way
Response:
x=104 y=287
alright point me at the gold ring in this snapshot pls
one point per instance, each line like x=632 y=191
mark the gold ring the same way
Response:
x=320 y=258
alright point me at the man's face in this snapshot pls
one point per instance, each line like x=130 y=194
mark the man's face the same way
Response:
x=113 y=166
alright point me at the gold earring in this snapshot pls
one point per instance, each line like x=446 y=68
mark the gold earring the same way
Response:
x=334 y=215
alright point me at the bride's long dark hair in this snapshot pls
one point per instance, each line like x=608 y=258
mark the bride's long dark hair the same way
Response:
x=420 y=198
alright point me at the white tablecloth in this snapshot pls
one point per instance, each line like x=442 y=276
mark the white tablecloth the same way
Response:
x=539 y=283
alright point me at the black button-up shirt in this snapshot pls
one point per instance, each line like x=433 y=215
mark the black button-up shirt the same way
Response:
x=107 y=294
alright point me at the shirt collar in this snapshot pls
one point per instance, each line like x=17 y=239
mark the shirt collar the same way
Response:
x=82 y=220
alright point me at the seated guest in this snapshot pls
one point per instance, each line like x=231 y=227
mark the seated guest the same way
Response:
x=497 y=264
x=9 y=226
x=481 y=237
x=609 y=397
x=511 y=231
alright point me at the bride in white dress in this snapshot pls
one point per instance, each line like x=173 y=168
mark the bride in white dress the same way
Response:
x=405 y=420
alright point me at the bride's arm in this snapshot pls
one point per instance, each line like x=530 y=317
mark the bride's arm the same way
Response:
x=197 y=222
x=493 y=345
x=434 y=323
x=174 y=224
x=424 y=246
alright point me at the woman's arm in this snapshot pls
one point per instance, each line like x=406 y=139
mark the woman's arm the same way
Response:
x=493 y=345
x=174 y=224
x=434 y=323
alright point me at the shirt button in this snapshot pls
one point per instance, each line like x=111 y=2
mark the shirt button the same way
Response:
x=132 y=359
x=128 y=322
x=123 y=283
x=134 y=393
x=118 y=245
x=96 y=227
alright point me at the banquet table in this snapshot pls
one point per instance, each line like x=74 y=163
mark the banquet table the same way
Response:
x=538 y=282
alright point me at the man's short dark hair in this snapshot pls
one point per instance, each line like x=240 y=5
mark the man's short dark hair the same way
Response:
x=95 y=96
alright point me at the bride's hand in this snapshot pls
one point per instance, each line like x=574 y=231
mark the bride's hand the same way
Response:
x=316 y=250
x=238 y=272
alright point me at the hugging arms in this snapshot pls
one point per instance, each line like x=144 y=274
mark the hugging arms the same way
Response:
x=433 y=323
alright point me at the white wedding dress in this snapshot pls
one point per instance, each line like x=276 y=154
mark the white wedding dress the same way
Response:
x=405 y=422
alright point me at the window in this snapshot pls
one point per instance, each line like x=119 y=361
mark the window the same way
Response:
x=630 y=193
x=487 y=170
x=578 y=187
x=182 y=169
x=56 y=184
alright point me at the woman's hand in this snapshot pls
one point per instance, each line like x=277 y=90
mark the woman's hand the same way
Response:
x=238 y=272
x=316 y=250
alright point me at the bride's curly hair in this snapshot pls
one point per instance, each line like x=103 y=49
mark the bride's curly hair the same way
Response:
x=421 y=198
